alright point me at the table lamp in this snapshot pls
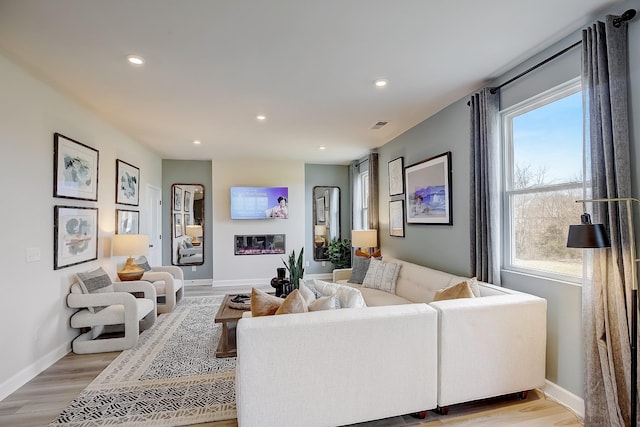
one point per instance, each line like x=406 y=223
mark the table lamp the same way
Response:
x=194 y=231
x=319 y=235
x=130 y=245
x=365 y=239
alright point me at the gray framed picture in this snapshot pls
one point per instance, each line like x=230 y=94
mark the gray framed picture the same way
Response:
x=75 y=169
x=177 y=225
x=127 y=183
x=396 y=180
x=396 y=218
x=127 y=221
x=428 y=186
x=75 y=235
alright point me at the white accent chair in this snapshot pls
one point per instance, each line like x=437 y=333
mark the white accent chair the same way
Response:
x=120 y=307
x=169 y=283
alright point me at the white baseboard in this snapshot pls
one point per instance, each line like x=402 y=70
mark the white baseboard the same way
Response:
x=565 y=398
x=31 y=371
x=199 y=282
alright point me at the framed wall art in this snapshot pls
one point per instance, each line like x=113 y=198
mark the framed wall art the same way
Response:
x=187 y=201
x=177 y=198
x=177 y=224
x=396 y=218
x=428 y=187
x=75 y=235
x=127 y=184
x=75 y=169
x=127 y=221
x=396 y=180
x=320 y=211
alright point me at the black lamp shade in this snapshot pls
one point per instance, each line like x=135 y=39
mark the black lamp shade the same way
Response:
x=587 y=236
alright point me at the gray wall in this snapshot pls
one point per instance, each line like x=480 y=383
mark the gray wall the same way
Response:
x=188 y=172
x=325 y=175
x=447 y=247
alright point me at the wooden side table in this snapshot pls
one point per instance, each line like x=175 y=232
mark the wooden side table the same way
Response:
x=229 y=318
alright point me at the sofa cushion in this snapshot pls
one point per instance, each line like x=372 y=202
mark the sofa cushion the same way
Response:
x=460 y=290
x=346 y=296
x=293 y=303
x=359 y=269
x=323 y=303
x=263 y=304
x=95 y=282
x=308 y=295
x=382 y=275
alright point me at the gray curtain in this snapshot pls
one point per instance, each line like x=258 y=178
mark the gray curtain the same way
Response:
x=484 y=203
x=373 y=193
x=606 y=298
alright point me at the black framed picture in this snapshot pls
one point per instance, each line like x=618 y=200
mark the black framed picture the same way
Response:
x=177 y=225
x=75 y=235
x=127 y=183
x=177 y=198
x=75 y=169
x=127 y=221
x=428 y=187
x=396 y=179
x=396 y=218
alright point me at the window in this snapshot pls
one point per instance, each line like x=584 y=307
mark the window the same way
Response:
x=361 y=198
x=543 y=177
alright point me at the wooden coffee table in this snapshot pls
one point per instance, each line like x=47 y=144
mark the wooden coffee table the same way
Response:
x=229 y=318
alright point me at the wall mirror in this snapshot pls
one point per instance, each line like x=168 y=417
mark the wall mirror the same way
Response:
x=326 y=219
x=187 y=224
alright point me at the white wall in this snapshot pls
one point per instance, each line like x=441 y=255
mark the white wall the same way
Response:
x=229 y=269
x=34 y=320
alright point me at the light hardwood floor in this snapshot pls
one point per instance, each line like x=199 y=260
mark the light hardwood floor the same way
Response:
x=43 y=398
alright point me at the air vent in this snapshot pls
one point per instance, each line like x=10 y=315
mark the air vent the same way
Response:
x=378 y=125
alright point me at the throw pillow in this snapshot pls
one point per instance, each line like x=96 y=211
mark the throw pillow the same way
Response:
x=346 y=296
x=263 y=304
x=143 y=263
x=188 y=244
x=359 y=269
x=461 y=290
x=293 y=303
x=323 y=303
x=306 y=293
x=473 y=284
x=95 y=282
x=382 y=275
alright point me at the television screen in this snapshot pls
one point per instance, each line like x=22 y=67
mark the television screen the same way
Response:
x=259 y=202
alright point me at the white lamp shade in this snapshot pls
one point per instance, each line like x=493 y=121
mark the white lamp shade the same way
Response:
x=194 y=230
x=131 y=245
x=364 y=238
x=320 y=230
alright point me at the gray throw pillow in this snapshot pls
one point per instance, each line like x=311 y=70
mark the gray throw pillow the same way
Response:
x=143 y=263
x=95 y=282
x=359 y=269
x=188 y=244
x=382 y=276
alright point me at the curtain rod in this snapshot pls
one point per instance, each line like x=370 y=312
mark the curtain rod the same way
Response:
x=626 y=16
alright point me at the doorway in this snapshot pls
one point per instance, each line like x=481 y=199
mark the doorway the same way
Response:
x=154 y=205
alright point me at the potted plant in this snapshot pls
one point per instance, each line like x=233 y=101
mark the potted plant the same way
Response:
x=295 y=266
x=339 y=253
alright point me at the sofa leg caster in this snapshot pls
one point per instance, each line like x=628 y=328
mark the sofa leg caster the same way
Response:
x=522 y=395
x=442 y=410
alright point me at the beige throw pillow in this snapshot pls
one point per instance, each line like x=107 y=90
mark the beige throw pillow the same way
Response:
x=263 y=304
x=293 y=303
x=461 y=290
x=382 y=275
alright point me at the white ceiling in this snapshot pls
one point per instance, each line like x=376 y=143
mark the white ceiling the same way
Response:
x=308 y=65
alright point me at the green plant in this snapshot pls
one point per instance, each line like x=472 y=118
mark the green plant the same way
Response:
x=339 y=253
x=295 y=267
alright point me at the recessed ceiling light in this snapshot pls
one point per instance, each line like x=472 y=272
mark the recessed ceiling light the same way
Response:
x=261 y=117
x=322 y=147
x=380 y=83
x=197 y=142
x=135 y=59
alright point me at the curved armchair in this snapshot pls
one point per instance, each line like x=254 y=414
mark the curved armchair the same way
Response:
x=112 y=307
x=168 y=282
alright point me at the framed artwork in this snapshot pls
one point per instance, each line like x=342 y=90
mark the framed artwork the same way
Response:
x=127 y=221
x=396 y=218
x=187 y=219
x=428 y=186
x=127 y=184
x=177 y=224
x=75 y=235
x=177 y=198
x=75 y=169
x=396 y=181
x=320 y=211
x=187 y=201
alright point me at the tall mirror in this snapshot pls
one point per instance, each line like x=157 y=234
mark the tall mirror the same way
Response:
x=326 y=219
x=187 y=224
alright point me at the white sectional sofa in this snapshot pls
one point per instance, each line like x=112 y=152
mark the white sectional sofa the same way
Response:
x=344 y=366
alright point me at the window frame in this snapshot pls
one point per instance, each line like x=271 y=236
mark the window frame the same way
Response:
x=507 y=115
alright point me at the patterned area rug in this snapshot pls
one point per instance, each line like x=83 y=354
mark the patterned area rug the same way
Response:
x=171 y=378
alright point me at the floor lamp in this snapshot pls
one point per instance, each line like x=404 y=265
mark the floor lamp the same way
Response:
x=588 y=235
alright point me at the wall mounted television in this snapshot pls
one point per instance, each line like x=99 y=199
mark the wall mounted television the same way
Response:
x=259 y=202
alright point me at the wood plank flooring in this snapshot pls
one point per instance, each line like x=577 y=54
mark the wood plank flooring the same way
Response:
x=43 y=398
